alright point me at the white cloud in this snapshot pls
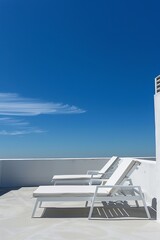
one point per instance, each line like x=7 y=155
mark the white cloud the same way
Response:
x=12 y=104
x=20 y=132
x=13 y=121
x=13 y=108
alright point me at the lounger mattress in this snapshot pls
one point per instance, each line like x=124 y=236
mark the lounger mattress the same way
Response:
x=67 y=191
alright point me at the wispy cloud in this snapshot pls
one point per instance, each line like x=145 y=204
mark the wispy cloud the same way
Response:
x=20 y=132
x=13 y=108
x=14 y=105
x=13 y=121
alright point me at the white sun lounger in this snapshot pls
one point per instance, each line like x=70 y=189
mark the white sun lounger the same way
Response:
x=113 y=190
x=92 y=176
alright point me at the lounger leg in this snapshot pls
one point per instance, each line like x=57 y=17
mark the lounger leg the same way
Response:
x=144 y=204
x=86 y=204
x=92 y=204
x=53 y=181
x=91 y=209
x=35 y=206
x=131 y=183
x=137 y=204
x=40 y=205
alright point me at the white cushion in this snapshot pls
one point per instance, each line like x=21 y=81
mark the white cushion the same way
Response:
x=67 y=191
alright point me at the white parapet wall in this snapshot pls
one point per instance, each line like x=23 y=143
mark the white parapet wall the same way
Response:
x=35 y=172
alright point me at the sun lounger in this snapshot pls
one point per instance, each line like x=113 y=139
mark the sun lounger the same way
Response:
x=92 y=176
x=113 y=190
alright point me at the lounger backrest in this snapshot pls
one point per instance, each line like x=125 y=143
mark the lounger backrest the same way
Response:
x=111 y=162
x=124 y=170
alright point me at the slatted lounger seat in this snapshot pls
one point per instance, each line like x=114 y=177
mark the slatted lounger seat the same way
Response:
x=92 y=176
x=113 y=190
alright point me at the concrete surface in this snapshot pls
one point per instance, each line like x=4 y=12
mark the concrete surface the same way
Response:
x=69 y=221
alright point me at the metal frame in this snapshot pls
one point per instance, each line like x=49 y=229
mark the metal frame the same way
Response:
x=133 y=193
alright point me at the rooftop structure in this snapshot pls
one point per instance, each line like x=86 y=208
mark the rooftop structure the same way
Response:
x=157 y=136
x=20 y=177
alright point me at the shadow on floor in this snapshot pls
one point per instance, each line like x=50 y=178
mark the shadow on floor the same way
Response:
x=6 y=190
x=107 y=211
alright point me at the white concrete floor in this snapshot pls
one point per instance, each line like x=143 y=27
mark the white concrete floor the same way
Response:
x=67 y=223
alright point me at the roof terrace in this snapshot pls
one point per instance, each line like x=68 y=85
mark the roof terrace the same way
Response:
x=20 y=177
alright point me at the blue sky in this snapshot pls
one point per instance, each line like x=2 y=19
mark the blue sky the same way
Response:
x=77 y=77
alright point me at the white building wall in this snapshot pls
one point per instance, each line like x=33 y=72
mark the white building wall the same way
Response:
x=145 y=177
x=157 y=135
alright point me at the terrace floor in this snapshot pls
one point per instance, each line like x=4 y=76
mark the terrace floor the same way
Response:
x=69 y=221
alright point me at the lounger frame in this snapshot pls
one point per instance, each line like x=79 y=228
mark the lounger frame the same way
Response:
x=116 y=192
x=135 y=194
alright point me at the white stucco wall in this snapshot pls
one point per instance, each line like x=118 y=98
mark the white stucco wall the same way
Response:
x=145 y=177
x=157 y=135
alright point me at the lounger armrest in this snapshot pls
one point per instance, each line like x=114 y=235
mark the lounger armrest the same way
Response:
x=99 y=180
x=118 y=186
x=91 y=172
x=122 y=187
